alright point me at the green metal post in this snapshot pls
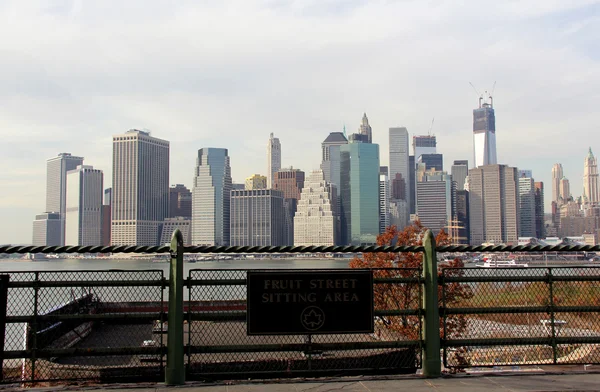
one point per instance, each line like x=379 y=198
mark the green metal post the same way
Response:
x=175 y=373
x=432 y=364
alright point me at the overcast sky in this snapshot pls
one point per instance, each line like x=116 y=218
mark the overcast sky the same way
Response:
x=227 y=73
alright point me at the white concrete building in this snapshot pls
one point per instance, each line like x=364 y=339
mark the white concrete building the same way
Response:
x=83 y=217
x=46 y=229
x=56 y=186
x=315 y=220
x=171 y=224
x=140 y=188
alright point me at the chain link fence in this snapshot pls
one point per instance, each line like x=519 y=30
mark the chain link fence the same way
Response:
x=217 y=343
x=522 y=316
x=92 y=325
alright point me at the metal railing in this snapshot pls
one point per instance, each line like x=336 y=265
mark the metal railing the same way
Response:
x=51 y=314
x=523 y=317
x=438 y=340
x=217 y=344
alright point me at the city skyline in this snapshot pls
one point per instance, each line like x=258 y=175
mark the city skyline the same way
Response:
x=84 y=83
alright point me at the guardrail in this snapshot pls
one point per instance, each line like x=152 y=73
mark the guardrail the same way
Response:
x=175 y=370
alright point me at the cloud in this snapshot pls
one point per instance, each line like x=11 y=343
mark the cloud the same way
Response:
x=227 y=73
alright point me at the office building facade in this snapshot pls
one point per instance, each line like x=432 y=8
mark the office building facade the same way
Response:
x=494 y=205
x=527 y=226
x=359 y=190
x=424 y=144
x=484 y=134
x=140 y=188
x=83 y=215
x=557 y=175
x=315 y=222
x=56 y=187
x=540 y=224
x=384 y=202
x=435 y=197
x=432 y=161
x=171 y=224
x=257 y=218
x=180 y=201
x=460 y=171
x=330 y=156
x=273 y=159
x=211 y=197
x=47 y=229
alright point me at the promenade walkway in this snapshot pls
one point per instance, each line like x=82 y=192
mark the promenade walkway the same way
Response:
x=488 y=383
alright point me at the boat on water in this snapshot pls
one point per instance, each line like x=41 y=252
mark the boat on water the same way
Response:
x=487 y=263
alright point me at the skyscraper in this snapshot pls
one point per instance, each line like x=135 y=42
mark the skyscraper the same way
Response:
x=565 y=191
x=140 y=188
x=540 y=224
x=83 y=217
x=56 y=187
x=484 y=134
x=460 y=170
x=180 y=201
x=399 y=161
x=359 y=177
x=424 y=144
x=590 y=179
x=289 y=181
x=526 y=206
x=46 y=229
x=257 y=218
x=557 y=175
x=315 y=220
x=462 y=217
x=412 y=188
x=494 y=204
x=365 y=129
x=330 y=152
x=384 y=202
x=273 y=159
x=432 y=161
x=106 y=217
x=211 y=197
x=435 y=198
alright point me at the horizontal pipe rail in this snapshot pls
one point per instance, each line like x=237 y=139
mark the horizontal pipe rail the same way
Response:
x=85 y=352
x=524 y=279
x=521 y=341
x=88 y=283
x=241 y=315
x=115 y=317
x=243 y=282
x=253 y=348
x=521 y=309
x=10 y=249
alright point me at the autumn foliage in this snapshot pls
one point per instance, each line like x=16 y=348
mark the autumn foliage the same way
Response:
x=407 y=296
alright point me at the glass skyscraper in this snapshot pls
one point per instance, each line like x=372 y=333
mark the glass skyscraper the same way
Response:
x=484 y=134
x=359 y=177
x=211 y=197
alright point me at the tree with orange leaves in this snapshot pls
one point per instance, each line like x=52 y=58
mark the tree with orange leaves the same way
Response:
x=407 y=296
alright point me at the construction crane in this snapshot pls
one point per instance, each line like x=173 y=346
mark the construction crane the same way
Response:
x=477 y=92
x=431 y=127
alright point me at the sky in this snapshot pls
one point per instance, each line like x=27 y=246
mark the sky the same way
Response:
x=228 y=73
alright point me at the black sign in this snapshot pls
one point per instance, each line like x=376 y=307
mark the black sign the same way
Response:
x=3 y=302
x=309 y=302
